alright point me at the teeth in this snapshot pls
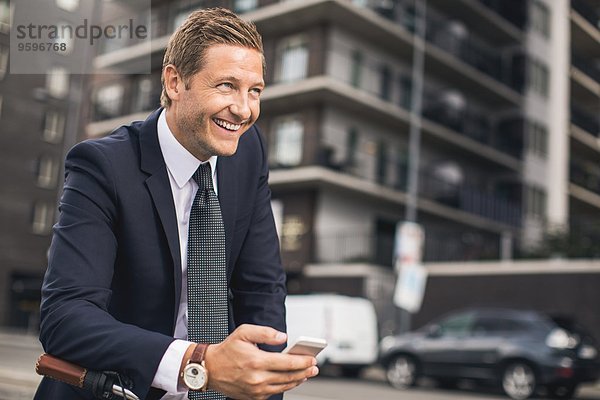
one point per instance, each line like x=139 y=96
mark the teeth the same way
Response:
x=227 y=125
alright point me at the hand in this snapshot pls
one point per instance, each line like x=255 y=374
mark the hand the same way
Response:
x=240 y=370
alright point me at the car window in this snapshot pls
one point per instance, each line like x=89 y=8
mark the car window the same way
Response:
x=457 y=325
x=488 y=326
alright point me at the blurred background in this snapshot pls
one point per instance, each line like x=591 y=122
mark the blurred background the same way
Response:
x=476 y=120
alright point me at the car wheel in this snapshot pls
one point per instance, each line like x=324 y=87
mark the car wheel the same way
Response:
x=401 y=371
x=564 y=391
x=518 y=380
x=351 y=372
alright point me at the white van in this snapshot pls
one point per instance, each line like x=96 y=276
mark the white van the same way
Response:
x=349 y=325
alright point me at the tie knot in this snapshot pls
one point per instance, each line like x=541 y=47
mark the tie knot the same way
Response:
x=203 y=176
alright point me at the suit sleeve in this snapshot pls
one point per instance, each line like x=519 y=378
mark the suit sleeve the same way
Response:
x=258 y=283
x=75 y=322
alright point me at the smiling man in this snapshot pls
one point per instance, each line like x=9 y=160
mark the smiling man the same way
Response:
x=164 y=264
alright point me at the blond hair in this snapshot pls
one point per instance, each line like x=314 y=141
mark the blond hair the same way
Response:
x=204 y=28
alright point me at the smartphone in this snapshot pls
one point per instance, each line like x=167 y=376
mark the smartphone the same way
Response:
x=306 y=346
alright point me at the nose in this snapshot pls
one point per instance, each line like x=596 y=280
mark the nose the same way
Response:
x=241 y=107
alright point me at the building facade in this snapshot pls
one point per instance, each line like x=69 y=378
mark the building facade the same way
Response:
x=508 y=126
x=39 y=118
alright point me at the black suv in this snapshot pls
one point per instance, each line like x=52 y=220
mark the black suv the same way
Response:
x=518 y=350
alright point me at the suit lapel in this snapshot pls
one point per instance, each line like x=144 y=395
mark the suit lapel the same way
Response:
x=152 y=162
x=227 y=182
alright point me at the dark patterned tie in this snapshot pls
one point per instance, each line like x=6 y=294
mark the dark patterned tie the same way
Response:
x=206 y=270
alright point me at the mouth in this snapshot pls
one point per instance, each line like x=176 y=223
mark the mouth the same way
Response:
x=227 y=125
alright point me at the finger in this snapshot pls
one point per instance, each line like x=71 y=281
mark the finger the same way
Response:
x=284 y=378
x=260 y=334
x=288 y=362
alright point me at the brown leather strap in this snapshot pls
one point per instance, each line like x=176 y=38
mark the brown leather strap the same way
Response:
x=199 y=352
x=60 y=370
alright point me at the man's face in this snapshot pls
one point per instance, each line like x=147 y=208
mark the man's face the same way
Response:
x=222 y=101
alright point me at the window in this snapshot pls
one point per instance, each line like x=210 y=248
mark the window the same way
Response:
x=382 y=161
x=47 y=172
x=54 y=127
x=457 y=326
x=145 y=98
x=3 y=61
x=538 y=77
x=109 y=101
x=536 y=202
x=5 y=16
x=286 y=149
x=57 y=82
x=68 y=5
x=386 y=82
x=540 y=18
x=357 y=61
x=537 y=139
x=241 y=6
x=43 y=215
x=351 y=146
x=292 y=60
x=405 y=92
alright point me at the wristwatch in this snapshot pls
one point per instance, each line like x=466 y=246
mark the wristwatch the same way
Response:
x=194 y=374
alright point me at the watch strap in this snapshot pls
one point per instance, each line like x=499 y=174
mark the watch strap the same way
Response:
x=198 y=354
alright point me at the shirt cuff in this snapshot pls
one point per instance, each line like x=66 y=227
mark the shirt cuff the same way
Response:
x=167 y=374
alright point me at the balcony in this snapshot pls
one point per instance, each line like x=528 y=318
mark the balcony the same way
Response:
x=470 y=199
x=499 y=22
x=451 y=109
x=585 y=29
x=453 y=37
x=589 y=13
x=586 y=176
x=384 y=164
x=586 y=121
x=344 y=247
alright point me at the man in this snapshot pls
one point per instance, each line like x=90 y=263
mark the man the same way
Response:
x=132 y=237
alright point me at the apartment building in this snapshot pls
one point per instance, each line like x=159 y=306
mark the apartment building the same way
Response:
x=508 y=134
x=584 y=123
x=38 y=120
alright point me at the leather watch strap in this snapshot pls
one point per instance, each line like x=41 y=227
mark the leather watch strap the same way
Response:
x=198 y=354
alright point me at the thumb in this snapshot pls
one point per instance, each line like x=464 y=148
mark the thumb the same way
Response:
x=260 y=334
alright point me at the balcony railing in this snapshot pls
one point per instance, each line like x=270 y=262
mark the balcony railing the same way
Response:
x=388 y=168
x=344 y=247
x=454 y=38
x=454 y=111
x=470 y=199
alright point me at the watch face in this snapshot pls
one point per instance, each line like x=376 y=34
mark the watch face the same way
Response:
x=194 y=376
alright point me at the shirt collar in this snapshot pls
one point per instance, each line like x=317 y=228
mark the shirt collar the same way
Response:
x=180 y=162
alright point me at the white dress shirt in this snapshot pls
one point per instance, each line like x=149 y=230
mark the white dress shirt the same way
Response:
x=181 y=165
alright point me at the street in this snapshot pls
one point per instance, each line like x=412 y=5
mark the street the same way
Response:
x=18 y=380
x=373 y=386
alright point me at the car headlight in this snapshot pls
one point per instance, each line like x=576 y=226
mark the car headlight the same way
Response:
x=561 y=339
x=386 y=343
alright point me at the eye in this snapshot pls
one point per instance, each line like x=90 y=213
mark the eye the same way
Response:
x=256 y=91
x=225 y=85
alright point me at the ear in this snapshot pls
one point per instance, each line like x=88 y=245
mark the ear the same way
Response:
x=173 y=82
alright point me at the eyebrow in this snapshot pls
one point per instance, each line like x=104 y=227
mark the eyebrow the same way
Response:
x=236 y=80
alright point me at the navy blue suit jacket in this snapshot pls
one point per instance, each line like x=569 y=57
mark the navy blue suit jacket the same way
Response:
x=112 y=289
